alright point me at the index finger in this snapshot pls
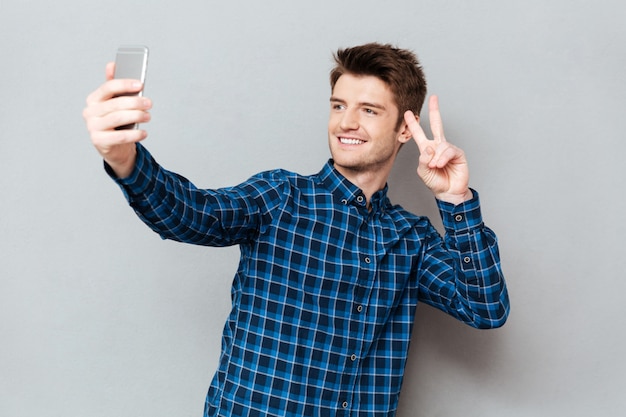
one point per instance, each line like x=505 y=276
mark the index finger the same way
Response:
x=416 y=130
x=436 y=125
x=113 y=88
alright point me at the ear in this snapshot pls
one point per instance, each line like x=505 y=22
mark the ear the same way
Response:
x=404 y=134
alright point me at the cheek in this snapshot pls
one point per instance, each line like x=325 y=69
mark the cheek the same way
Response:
x=333 y=121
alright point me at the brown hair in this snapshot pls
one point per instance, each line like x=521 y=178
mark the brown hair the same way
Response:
x=398 y=68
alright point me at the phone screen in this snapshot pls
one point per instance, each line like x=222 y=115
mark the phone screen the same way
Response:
x=131 y=62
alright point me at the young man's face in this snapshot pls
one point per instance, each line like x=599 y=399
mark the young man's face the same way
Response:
x=362 y=132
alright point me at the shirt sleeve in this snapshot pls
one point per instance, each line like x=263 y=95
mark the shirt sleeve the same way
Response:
x=461 y=273
x=176 y=209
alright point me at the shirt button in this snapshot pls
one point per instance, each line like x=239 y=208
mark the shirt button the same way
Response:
x=360 y=199
x=467 y=259
x=367 y=260
x=353 y=357
x=344 y=201
x=359 y=309
x=458 y=217
x=345 y=404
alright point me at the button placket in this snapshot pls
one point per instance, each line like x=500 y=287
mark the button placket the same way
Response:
x=366 y=256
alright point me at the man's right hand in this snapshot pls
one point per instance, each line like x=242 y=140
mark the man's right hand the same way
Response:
x=106 y=110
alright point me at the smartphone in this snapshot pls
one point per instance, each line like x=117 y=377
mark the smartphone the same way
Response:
x=131 y=62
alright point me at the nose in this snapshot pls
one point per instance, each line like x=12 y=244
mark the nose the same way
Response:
x=349 y=120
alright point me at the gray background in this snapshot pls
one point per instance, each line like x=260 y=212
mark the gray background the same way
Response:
x=99 y=317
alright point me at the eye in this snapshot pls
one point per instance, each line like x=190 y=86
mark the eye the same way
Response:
x=370 y=111
x=337 y=106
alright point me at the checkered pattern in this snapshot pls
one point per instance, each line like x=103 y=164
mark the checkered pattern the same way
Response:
x=325 y=294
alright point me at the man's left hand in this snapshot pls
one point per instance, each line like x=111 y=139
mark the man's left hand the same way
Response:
x=442 y=166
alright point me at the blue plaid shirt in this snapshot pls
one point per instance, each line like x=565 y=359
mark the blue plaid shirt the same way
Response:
x=324 y=298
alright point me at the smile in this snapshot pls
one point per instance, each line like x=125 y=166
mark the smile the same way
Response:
x=350 y=141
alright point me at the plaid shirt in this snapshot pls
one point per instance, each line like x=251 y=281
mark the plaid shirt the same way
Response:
x=324 y=298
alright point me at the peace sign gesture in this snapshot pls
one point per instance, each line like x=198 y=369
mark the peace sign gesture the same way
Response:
x=442 y=166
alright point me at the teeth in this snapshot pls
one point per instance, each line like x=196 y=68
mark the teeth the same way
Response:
x=348 y=141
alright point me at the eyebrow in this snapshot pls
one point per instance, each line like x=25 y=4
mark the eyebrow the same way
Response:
x=361 y=104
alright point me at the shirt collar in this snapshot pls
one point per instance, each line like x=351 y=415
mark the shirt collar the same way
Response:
x=345 y=192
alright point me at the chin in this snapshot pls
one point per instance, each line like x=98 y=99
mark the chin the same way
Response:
x=344 y=165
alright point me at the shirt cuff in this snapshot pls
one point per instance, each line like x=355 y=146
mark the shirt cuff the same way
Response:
x=140 y=181
x=463 y=217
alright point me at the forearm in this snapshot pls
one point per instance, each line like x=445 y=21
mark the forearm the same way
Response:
x=463 y=274
x=167 y=203
x=174 y=208
x=481 y=293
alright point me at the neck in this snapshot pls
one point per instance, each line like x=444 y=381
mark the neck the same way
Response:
x=368 y=181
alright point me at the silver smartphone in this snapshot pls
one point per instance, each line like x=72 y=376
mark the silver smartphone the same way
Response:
x=131 y=62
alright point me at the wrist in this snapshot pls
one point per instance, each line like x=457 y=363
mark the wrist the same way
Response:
x=454 y=198
x=122 y=168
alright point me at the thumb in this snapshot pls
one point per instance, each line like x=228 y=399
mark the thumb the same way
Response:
x=110 y=71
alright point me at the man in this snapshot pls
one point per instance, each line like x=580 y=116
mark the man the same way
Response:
x=331 y=272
